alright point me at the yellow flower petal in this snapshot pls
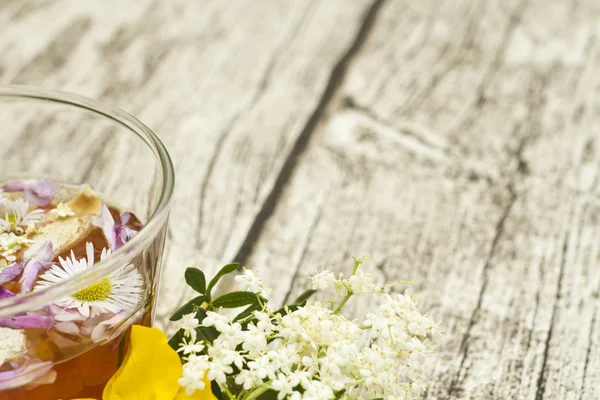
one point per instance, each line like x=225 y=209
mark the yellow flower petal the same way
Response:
x=150 y=370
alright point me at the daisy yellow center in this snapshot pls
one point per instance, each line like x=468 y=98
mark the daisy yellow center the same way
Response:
x=97 y=292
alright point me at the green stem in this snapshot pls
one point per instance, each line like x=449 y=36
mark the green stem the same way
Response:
x=343 y=303
x=257 y=392
x=228 y=393
x=399 y=282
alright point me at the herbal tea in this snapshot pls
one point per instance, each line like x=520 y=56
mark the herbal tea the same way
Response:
x=50 y=233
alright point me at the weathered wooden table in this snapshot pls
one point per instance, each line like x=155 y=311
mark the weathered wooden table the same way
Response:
x=455 y=142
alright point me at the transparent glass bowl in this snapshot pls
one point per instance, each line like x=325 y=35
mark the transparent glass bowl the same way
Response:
x=74 y=140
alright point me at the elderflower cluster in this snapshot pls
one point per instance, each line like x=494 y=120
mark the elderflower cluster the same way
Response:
x=311 y=351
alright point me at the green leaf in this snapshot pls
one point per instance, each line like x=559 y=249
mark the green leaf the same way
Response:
x=176 y=340
x=207 y=333
x=236 y=299
x=247 y=312
x=229 y=268
x=301 y=300
x=268 y=395
x=196 y=279
x=216 y=390
x=188 y=307
x=339 y=393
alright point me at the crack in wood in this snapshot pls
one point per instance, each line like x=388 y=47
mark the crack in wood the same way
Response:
x=262 y=86
x=587 y=354
x=491 y=70
x=456 y=58
x=332 y=88
x=541 y=381
x=464 y=346
x=307 y=243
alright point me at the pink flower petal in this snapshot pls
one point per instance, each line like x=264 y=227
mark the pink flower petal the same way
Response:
x=64 y=315
x=46 y=379
x=70 y=328
x=24 y=375
x=61 y=341
x=110 y=323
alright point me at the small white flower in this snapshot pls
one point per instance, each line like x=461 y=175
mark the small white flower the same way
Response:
x=250 y=282
x=220 y=365
x=283 y=386
x=262 y=367
x=61 y=211
x=189 y=323
x=220 y=322
x=121 y=290
x=361 y=283
x=193 y=373
x=191 y=348
x=11 y=244
x=255 y=341
x=323 y=280
x=247 y=379
x=231 y=335
x=317 y=349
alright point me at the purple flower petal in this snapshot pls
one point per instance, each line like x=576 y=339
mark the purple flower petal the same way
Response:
x=106 y=222
x=14 y=187
x=24 y=375
x=41 y=261
x=125 y=217
x=5 y=293
x=11 y=273
x=40 y=193
x=116 y=234
x=37 y=192
x=26 y=321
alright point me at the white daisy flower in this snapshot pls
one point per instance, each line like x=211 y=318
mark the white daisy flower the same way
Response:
x=121 y=290
x=17 y=217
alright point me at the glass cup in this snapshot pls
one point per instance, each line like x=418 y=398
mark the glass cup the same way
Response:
x=77 y=141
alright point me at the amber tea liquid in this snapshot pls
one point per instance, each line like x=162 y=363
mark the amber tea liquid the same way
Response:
x=78 y=357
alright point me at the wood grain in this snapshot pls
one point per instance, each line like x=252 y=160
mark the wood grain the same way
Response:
x=456 y=143
x=457 y=161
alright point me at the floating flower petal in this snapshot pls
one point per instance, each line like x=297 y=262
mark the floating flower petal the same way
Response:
x=25 y=375
x=11 y=272
x=5 y=293
x=116 y=234
x=41 y=262
x=37 y=192
x=26 y=321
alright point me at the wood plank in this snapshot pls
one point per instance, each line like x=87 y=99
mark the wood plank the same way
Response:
x=229 y=90
x=464 y=158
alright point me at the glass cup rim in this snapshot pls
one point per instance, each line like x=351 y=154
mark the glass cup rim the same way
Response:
x=39 y=298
